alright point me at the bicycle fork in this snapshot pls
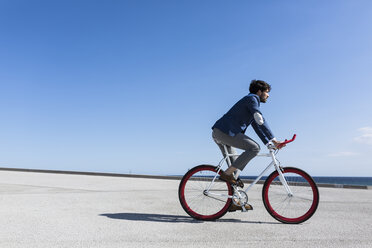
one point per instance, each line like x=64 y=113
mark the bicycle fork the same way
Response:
x=281 y=176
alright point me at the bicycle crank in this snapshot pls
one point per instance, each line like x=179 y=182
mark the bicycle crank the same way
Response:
x=240 y=198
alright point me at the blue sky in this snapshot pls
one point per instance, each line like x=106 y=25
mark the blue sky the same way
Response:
x=135 y=86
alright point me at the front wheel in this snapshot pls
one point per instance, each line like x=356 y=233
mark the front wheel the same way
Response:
x=290 y=208
x=202 y=195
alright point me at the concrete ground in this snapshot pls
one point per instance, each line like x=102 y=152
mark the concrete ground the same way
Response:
x=56 y=210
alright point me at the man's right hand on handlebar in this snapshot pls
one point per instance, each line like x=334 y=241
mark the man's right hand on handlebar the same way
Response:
x=279 y=144
x=275 y=144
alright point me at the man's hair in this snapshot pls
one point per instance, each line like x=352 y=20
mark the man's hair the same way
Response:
x=257 y=85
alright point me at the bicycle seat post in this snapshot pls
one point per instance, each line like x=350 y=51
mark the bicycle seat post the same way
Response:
x=228 y=157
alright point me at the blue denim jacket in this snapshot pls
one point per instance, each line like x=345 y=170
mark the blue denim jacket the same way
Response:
x=241 y=115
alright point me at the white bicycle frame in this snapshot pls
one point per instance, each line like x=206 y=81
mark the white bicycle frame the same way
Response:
x=274 y=163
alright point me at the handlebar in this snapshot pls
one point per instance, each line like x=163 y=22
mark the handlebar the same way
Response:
x=287 y=141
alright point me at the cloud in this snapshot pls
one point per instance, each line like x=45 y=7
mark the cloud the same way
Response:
x=366 y=137
x=343 y=154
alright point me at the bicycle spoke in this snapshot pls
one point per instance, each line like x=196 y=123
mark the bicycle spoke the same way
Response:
x=199 y=204
x=293 y=208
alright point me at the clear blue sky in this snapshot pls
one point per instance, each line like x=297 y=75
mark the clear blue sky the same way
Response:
x=135 y=86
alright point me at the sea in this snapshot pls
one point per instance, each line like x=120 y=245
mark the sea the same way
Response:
x=360 y=181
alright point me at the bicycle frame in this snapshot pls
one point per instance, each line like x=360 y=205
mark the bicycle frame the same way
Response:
x=274 y=163
x=289 y=194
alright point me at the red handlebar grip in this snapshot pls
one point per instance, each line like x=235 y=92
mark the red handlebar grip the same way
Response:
x=287 y=141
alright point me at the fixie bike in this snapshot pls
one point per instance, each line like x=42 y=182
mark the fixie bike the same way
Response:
x=289 y=194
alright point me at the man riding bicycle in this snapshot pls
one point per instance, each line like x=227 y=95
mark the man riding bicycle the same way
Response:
x=230 y=128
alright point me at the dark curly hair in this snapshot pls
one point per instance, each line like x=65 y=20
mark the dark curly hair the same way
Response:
x=257 y=85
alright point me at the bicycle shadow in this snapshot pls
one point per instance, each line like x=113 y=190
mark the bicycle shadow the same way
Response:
x=152 y=217
x=172 y=218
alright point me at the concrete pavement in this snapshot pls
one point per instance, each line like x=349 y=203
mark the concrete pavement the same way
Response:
x=57 y=210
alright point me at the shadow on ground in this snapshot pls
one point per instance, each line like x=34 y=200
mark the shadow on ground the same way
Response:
x=171 y=218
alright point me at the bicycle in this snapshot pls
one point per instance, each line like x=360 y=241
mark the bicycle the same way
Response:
x=289 y=194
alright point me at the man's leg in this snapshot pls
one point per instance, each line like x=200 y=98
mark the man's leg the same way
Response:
x=241 y=141
x=230 y=150
x=250 y=147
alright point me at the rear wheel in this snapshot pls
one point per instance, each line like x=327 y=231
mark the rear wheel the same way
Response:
x=286 y=208
x=199 y=202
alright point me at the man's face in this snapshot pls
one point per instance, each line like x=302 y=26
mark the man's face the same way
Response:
x=263 y=95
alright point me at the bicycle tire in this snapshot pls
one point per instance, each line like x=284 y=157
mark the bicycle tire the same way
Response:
x=290 y=209
x=195 y=202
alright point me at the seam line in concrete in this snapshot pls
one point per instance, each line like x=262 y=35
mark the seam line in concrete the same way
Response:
x=323 y=185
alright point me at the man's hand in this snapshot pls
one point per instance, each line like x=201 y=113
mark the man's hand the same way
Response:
x=277 y=144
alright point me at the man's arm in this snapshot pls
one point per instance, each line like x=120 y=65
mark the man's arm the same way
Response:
x=263 y=131
x=259 y=124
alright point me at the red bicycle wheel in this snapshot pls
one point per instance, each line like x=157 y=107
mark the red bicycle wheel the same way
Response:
x=201 y=198
x=287 y=208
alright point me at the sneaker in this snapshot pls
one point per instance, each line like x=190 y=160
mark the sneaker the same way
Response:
x=233 y=207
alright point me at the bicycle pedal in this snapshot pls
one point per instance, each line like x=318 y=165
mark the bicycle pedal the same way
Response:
x=247 y=207
x=234 y=208
x=240 y=183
